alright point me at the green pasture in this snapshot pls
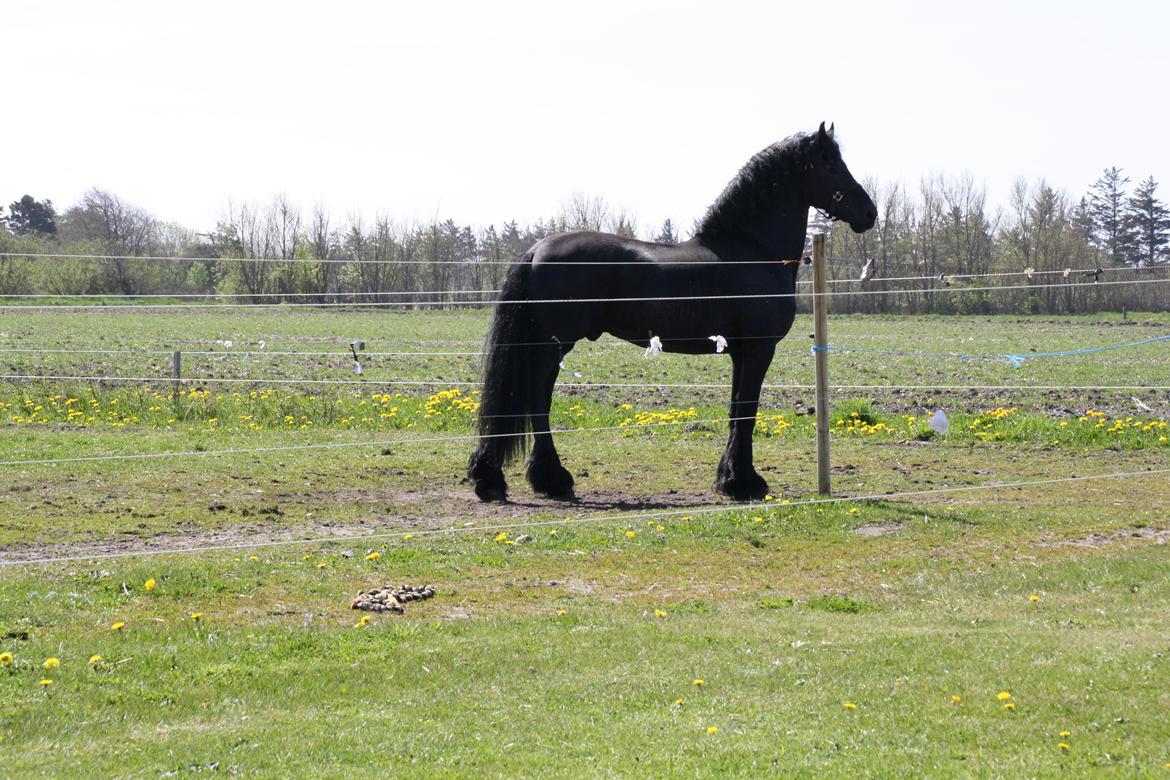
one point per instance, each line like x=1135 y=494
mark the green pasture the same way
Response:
x=915 y=626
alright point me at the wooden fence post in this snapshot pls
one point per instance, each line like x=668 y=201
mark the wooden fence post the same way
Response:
x=176 y=374
x=821 y=359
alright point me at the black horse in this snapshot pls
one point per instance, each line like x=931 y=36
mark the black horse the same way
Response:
x=736 y=279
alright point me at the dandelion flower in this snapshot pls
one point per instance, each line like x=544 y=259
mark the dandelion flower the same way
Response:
x=149 y=586
x=956 y=699
x=552 y=532
x=306 y=557
x=769 y=497
x=850 y=705
x=630 y=534
x=502 y=536
x=678 y=702
x=196 y=616
x=1003 y=695
x=51 y=663
x=407 y=537
x=118 y=626
x=1009 y=706
x=1064 y=746
x=660 y=528
x=321 y=565
x=712 y=729
x=253 y=558
x=561 y=613
x=373 y=556
x=660 y=613
x=45 y=683
x=1033 y=598
x=363 y=621
x=5 y=659
x=697 y=682
x=94 y=660
x=853 y=510
x=1066 y=734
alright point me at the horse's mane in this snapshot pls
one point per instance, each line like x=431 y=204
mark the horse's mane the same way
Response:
x=754 y=187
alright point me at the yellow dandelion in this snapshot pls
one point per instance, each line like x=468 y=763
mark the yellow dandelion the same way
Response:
x=1064 y=746
x=1003 y=695
x=502 y=536
x=6 y=659
x=306 y=557
x=678 y=702
x=373 y=556
x=697 y=682
x=1009 y=706
x=685 y=518
x=757 y=519
x=45 y=683
x=363 y=621
x=552 y=532
x=1033 y=598
x=321 y=565
x=118 y=626
x=1065 y=734
x=769 y=497
x=407 y=537
x=196 y=616
x=956 y=699
x=660 y=528
x=253 y=558
x=712 y=729
x=660 y=613
x=630 y=534
x=94 y=660
x=850 y=705
x=51 y=663
x=561 y=613
x=149 y=586
x=853 y=510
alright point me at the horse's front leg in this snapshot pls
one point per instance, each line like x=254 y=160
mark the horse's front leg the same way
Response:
x=736 y=476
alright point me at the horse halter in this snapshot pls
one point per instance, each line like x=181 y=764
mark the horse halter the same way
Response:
x=837 y=197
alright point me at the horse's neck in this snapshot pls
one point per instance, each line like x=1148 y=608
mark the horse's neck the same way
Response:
x=778 y=234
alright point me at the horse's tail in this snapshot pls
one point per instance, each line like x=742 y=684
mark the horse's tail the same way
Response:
x=509 y=387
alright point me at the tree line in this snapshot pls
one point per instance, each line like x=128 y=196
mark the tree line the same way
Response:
x=936 y=232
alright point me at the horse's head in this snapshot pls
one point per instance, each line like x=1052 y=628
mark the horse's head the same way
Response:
x=830 y=186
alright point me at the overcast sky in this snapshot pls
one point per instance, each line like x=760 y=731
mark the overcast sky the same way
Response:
x=486 y=111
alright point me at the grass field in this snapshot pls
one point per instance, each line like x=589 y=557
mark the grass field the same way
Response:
x=944 y=631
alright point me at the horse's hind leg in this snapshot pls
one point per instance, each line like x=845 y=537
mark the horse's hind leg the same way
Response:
x=545 y=473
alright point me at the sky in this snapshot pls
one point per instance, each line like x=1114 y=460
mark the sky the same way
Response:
x=489 y=111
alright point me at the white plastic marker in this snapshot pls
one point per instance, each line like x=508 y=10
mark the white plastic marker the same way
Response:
x=655 y=347
x=720 y=342
x=866 y=270
x=939 y=423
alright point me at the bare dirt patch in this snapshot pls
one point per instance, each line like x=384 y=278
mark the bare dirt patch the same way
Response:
x=877 y=529
x=1155 y=535
x=416 y=510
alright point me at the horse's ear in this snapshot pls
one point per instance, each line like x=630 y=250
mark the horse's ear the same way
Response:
x=821 y=134
x=832 y=127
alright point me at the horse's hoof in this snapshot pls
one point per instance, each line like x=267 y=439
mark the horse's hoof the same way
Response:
x=750 y=487
x=490 y=491
x=552 y=480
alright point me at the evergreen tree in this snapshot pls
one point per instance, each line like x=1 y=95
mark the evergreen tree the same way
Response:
x=1147 y=225
x=667 y=234
x=28 y=215
x=1107 y=211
